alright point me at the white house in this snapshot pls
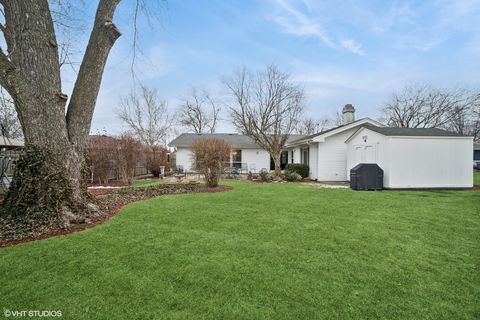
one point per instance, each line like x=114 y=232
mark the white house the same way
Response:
x=246 y=154
x=410 y=158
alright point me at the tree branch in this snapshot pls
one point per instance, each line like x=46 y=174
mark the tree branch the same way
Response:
x=84 y=96
x=9 y=76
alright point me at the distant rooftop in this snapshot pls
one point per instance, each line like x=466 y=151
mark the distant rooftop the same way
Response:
x=9 y=143
x=236 y=140
x=412 y=132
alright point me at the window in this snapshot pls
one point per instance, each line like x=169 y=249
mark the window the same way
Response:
x=292 y=156
x=304 y=155
x=237 y=158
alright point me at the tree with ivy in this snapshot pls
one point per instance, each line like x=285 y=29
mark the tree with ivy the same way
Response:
x=51 y=120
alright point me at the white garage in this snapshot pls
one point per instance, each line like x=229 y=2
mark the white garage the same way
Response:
x=413 y=158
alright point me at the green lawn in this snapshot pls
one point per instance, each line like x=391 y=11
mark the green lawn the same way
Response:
x=261 y=251
x=476 y=177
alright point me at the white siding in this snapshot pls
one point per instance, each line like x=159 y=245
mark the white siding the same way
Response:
x=256 y=159
x=332 y=157
x=430 y=163
x=184 y=158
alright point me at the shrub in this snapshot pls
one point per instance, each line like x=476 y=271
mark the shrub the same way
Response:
x=266 y=176
x=291 y=176
x=100 y=157
x=156 y=157
x=210 y=156
x=300 y=168
x=128 y=152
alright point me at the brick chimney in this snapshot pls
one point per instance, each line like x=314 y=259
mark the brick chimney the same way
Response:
x=348 y=113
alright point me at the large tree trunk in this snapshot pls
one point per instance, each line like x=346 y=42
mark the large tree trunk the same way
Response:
x=276 y=160
x=31 y=74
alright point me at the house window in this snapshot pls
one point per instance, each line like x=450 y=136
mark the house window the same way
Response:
x=237 y=158
x=304 y=155
x=292 y=156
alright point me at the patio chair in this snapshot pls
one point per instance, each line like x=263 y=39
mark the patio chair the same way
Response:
x=244 y=168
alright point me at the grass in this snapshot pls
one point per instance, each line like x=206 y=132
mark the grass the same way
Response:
x=261 y=251
x=147 y=182
x=476 y=177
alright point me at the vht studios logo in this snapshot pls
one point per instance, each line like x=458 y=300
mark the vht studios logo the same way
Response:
x=31 y=313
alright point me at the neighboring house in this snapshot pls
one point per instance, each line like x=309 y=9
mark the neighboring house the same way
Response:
x=8 y=143
x=410 y=158
x=476 y=155
x=246 y=154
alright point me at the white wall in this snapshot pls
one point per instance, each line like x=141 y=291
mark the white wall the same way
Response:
x=332 y=157
x=256 y=159
x=430 y=162
x=184 y=158
x=417 y=162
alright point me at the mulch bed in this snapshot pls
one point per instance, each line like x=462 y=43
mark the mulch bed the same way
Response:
x=111 y=202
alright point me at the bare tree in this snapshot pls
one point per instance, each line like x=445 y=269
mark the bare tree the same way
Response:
x=146 y=115
x=267 y=107
x=9 y=124
x=199 y=112
x=421 y=106
x=465 y=118
x=309 y=126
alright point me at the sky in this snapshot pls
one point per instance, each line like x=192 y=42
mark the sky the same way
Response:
x=340 y=52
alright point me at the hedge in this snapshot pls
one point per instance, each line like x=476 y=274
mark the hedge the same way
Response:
x=300 y=168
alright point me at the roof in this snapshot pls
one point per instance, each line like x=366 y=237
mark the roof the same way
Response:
x=476 y=146
x=412 y=132
x=234 y=139
x=348 y=125
x=7 y=142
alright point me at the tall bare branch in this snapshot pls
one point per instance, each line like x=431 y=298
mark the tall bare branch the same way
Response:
x=266 y=106
x=199 y=112
x=146 y=116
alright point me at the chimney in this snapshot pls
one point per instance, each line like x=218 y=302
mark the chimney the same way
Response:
x=348 y=114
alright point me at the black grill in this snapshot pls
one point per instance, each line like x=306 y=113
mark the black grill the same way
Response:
x=366 y=176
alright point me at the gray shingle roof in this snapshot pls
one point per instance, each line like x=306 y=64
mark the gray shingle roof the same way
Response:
x=412 y=132
x=235 y=140
x=309 y=137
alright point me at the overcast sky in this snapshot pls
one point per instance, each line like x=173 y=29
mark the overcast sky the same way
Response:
x=341 y=52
